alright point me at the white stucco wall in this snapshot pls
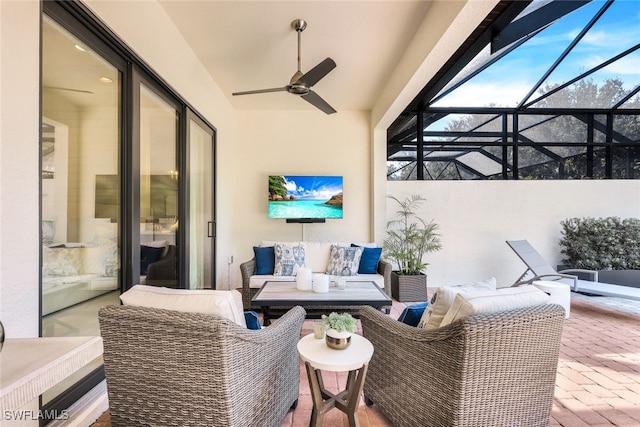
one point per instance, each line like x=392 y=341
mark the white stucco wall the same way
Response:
x=19 y=174
x=476 y=217
x=305 y=142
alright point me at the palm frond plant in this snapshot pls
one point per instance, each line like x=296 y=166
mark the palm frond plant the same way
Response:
x=410 y=238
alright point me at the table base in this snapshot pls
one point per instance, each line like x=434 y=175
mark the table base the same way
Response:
x=346 y=400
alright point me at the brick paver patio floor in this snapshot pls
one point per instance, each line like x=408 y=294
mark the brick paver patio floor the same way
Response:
x=598 y=382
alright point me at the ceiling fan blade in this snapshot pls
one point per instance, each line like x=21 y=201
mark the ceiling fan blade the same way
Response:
x=314 y=75
x=251 y=92
x=315 y=100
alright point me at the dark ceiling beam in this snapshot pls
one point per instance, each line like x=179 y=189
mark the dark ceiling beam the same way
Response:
x=533 y=21
x=499 y=18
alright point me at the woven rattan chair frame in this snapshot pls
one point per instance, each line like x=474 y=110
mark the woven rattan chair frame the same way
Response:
x=248 y=268
x=170 y=368
x=487 y=370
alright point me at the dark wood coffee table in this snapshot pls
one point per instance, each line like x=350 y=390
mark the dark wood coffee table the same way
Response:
x=284 y=295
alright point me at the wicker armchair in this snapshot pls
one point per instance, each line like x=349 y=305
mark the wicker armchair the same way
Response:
x=248 y=268
x=487 y=370
x=170 y=368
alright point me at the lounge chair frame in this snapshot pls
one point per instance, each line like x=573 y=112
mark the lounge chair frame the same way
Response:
x=542 y=270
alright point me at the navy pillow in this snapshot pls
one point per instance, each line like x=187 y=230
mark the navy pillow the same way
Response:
x=252 y=319
x=148 y=255
x=369 y=259
x=265 y=259
x=412 y=313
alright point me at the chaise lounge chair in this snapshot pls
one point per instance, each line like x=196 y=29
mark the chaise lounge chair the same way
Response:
x=542 y=270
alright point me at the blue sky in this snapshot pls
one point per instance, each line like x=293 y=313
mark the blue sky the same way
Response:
x=508 y=80
x=313 y=187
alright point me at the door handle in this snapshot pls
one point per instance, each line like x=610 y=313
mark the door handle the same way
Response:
x=211 y=229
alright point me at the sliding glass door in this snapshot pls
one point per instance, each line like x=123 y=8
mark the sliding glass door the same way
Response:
x=202 y=226
x=159 y=184
x=127 y=182
x=81 y=192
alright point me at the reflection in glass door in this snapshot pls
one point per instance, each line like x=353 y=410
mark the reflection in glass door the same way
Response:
x=80 y=189
x=201 y=212
x=158 y=190
x=80 y=151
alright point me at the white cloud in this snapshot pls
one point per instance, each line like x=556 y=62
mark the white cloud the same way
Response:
x=477 y=94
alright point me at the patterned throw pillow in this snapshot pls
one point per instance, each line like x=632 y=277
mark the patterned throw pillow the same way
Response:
x=288 y=259
x=110 y=264
x=344 y=260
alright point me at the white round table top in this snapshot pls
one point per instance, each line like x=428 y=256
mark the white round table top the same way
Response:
x=320 y=356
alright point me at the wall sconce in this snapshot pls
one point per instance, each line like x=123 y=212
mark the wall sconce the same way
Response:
x=174 y=175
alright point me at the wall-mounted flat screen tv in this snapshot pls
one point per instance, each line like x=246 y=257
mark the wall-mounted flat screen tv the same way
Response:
x=305 y=197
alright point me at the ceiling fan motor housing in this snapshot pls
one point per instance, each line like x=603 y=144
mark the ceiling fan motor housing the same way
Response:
x=299 y=24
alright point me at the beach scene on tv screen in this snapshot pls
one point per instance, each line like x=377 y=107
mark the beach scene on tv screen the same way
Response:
x=293 y=196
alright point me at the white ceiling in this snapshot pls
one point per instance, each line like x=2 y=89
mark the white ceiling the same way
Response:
x=249 y=45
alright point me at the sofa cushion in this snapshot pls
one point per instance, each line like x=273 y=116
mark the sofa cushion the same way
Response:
x=164 y=244
x=369 y=260
x=288 y=259
x=316 y=255
x=344 y=260
x=149 y=255
x=62 y=261
x=492 y=302
x=227 y=304
x=265 y=259
x=443 y=298
x=412 y=314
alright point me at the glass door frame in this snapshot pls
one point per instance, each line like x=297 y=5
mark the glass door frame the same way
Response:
x=190 y=115
x=140 y=77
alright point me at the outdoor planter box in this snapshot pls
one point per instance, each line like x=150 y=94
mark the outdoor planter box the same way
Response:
x=409 y=288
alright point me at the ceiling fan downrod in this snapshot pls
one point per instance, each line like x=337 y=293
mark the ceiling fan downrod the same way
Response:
x=299 y=25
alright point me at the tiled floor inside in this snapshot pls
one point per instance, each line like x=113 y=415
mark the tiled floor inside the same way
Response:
x=598 y=382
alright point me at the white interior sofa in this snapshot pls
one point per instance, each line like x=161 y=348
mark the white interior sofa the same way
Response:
x=74 y=273
x=316 y=257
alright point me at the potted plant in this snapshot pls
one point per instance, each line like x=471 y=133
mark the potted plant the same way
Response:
x=339 y=327
x=409 y=239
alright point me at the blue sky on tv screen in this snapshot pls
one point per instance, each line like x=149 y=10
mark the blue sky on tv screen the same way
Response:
x=313 y=187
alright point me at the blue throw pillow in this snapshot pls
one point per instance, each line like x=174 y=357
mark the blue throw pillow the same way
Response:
x=148 y=255
x=252 y=319
x=412 y=313
x=265 y=259
x=369 y=260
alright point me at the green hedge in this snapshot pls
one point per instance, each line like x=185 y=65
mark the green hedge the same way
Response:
x=601 y=243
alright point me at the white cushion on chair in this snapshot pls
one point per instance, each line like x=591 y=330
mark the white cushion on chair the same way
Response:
x=444 y=297
x=492 y=302
x=227 y=304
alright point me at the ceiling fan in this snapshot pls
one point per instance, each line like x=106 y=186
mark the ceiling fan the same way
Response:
x=300 y=83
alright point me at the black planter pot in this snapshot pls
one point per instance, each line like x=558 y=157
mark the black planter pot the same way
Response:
x=409 y=288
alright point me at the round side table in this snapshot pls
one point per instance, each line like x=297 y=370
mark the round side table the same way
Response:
x=354 y=359
x=559 y=293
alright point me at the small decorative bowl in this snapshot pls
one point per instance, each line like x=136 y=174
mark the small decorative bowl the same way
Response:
x=337 y=343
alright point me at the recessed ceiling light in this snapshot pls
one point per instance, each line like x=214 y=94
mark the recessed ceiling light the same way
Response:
x=80 y=48
x=105 y=79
